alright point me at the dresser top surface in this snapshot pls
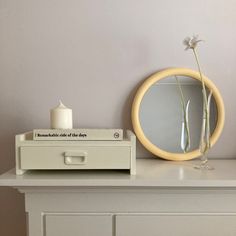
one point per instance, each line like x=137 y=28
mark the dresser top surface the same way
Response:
x=150 y=173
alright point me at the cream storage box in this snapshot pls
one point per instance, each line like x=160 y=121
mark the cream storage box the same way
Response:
x=75 y=155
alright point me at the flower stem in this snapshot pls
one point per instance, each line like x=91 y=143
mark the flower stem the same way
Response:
x=203 y=84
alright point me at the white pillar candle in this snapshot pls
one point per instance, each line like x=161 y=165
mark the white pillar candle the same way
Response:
x=61 y=117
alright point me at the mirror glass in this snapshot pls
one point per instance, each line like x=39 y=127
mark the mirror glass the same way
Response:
x=161 y=113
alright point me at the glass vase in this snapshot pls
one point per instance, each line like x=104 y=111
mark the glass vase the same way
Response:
x=205 y=143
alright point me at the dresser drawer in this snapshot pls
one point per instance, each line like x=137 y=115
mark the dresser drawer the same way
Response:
x=109 y=157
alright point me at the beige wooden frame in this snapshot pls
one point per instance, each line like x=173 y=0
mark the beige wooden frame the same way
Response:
x=136 y=106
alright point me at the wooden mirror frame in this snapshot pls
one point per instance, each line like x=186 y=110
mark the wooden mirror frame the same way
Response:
x=136 y=107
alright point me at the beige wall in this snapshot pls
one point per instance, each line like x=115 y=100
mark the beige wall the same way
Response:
x=92 y=54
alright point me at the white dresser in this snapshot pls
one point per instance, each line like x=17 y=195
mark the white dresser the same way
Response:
x=163 y=199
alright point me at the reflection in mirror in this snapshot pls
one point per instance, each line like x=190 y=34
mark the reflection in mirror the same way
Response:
x=161 y=113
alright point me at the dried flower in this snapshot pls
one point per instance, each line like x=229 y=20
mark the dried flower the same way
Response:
x=191 y=42
x=205 y=142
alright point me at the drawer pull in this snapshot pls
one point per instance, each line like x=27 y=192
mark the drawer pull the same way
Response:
x=75 y=158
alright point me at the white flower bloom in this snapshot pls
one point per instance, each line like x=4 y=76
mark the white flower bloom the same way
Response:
x=191 y=42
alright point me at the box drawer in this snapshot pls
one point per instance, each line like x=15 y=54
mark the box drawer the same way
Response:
x=43 y=157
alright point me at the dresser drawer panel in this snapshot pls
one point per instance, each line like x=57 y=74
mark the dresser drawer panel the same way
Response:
x=74 y=157
x=78 y=225
x=176 y=225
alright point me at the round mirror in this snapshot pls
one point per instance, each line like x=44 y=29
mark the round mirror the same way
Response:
x=158 y=114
